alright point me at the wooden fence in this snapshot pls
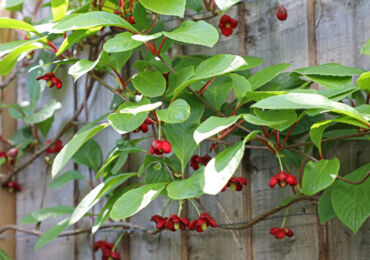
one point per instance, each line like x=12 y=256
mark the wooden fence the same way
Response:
x=316 y=32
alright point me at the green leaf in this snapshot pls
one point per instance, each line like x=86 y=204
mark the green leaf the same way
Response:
x=226 y=4
x=289 y=117
x=3 y=255
x=64 y=178
x=179 y=79
x=351 y=202
x=12 y=5
x=8 y=63
x=331 y=82
x=218 y=92
x=251 y=62
x=170 y=7
x=121 y=42
x=212 y=126
x=319 y=175
x=150 y=83
x=144 y=37
x=157 y=172
x=82 y=67
x=59 y=9
x=74 y=37
x=254 y=120
x=325 y=207
x=135 y=200
x=200 y=33
x=241 y=85
x=130 y=116
x=221 y=168
x=45 y=126
x=116 y=60
x=73 y=146
x=330 y=69
x=181 y=135
x=89 y=154
x=8 y=47
x=45 y=113
x=262 y=77
x=366 y=49
x=188 y=188
x=104 y=213
x=177 y=112
x=16 y=24
x=195 y=5
x=363 y=82
x=140 y=17
x=94 y=196
x=92 y=19
x=317 y=131
x=51 y=233
x=218 y=65
x=45 y=213
x=308 y=101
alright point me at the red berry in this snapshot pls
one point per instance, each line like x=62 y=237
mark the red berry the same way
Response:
x=166 y=146
x=144 y=128
x=282 y=13
x=13 y=152
x=156 y=144
x=291 y=180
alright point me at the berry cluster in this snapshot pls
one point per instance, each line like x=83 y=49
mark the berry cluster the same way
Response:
x=106 y=249
x=160 y=147
x=174 y=222
x=235 y=184
x=51 y=80
x=55 y=148
x=280 y=233
x=12 y=186
x=282 y=179
x=196 y=160
x=12 y=153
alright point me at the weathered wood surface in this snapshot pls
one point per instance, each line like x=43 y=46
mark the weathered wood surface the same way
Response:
x=7 y=128
x=342 y=27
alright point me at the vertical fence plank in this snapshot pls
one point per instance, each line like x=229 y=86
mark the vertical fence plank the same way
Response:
x=8 y=127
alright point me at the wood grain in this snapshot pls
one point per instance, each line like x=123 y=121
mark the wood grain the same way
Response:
x=8 y=128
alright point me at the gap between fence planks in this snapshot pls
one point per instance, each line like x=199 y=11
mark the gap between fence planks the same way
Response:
x=8 y=127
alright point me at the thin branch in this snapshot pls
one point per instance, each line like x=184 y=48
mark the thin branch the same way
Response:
x=104 y=84
x=354 y=182
x=331 y=139
x=255 y=220
x=303 y=154
x=66 y=127
x=129 y=226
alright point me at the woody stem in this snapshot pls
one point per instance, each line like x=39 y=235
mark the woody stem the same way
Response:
x=204 y=88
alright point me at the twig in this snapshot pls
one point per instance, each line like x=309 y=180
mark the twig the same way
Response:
x=354 y=182
x=303 y=154
x=331 y=139
x=104 y=84
x=255 y=220
x=66 y=127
